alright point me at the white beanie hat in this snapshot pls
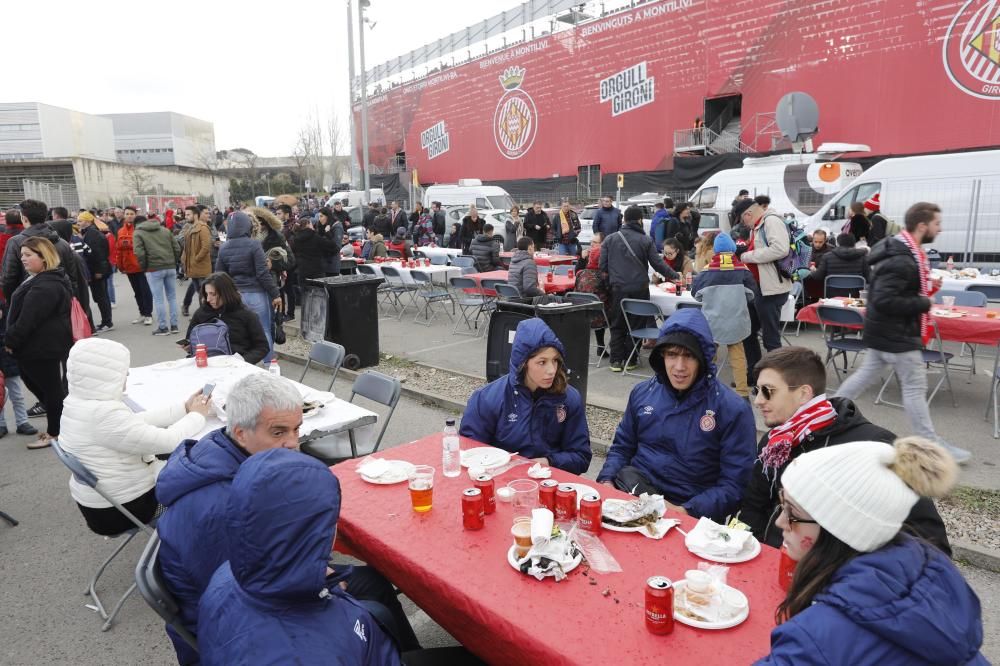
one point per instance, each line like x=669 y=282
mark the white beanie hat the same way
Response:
x=863 y=491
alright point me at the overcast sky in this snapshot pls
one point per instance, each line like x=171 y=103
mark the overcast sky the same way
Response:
x=256 y=69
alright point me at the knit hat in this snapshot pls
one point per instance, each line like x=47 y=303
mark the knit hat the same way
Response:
x=85 y=217
x=740 y=208
x=401 y=233
x=873 y=202
x=862 y=492
x=724 y=243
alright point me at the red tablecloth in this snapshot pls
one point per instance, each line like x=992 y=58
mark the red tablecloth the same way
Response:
x=544 y=260
x=560 y=283
x=463 y=581
x=974 y=327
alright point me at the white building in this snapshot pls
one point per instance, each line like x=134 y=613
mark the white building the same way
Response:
x=30 y=130
x=163 y=138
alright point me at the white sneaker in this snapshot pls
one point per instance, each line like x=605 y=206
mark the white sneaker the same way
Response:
x=960 y=455
x=138 y=320
x=148 y=321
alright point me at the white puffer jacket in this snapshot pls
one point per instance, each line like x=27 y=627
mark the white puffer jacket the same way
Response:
x=112 y=441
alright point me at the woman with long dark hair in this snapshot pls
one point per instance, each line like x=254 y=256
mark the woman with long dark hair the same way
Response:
x=533 y=410
x=221 y=300
x=864 y=592
x=39 y=331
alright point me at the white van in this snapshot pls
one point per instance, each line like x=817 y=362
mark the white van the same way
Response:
x=469 y=191
x=965 y=185
x=797 y=183
x=357 y=197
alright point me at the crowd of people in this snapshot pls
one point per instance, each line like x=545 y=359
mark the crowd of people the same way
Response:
x=246 y=542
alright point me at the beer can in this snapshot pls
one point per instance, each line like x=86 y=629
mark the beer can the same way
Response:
x=473 y=517
x=565 y=502
x=485 y=483
x=589 y=517
x=659 y=605
x=547 y=494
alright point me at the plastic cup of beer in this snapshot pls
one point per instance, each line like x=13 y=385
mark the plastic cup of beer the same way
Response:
x=948 y=301
x=521 y=531
x=422 y=488
x=525 y=497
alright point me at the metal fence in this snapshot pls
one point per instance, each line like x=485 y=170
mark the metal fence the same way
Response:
x=53 y=194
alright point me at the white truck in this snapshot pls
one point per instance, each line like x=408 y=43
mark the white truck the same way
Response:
x=468 y=191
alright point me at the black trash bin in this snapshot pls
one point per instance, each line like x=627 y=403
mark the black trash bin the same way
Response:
x=570 y=323
x=344 y=309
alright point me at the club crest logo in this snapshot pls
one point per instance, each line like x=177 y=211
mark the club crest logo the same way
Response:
x=515 y=122
x=707 y=422
x=971 y=49
x=561 y=413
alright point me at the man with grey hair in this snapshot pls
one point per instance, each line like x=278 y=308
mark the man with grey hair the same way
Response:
x=262 y=412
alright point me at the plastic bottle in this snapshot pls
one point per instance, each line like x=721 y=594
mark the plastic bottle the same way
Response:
x=951 y=263
x=273 y=367
x=451 y=457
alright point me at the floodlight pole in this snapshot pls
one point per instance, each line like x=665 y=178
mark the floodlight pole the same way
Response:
x=350 y=95
x=364 y=99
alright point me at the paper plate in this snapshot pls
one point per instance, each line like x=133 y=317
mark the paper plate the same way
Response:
x=567 y=567
x=312 y=412
x=701 y=624
x=616 y=528
x=400 y=471
x=750 y=550
x=485 y=456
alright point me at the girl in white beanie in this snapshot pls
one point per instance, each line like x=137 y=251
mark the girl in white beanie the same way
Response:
x=864 y=592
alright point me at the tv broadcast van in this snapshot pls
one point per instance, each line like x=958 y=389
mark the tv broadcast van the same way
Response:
x=798 y=183
x=356 y=197
x=468 y=191
x=965 y=185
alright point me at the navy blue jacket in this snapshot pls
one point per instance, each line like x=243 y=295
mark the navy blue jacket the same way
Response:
x=194 y=486
x=903 y=605
x=506 y=415
x=607 y=220
x=658 y=227
x=270 y=603
x=243 y=258
x=697 y=449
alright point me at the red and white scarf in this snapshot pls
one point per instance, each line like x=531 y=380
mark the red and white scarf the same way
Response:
x=924 y=268
x=811 y=417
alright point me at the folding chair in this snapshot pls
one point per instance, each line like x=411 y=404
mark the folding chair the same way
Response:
x=838 y=322
x=89 y=479
x=152 y=587
x=384 y=292
x=431 y=294
x=640 y=308
x=684 y=304
x=490 y=304
x=507 y=292
x=562 y=269
x=374 y=386
x=468 y=303
x=843 y=285
x=465 y=262
x=400 y=288
x=439 y=260
x=10 y=520
x=930 y=357
x=968 y=299
x=992 y=291
x=394 y=254
x=328 y=354
x=581 y=298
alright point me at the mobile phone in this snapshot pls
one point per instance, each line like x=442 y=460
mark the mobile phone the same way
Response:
x=182 y=343
x=207 y=390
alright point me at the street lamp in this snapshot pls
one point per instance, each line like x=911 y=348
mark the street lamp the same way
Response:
x=362 y=6
x=350 y=95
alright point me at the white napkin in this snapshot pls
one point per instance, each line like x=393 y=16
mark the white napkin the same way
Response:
x=373 y=468
x=832 y=301
x=538 y=471
x=550 y=558
x=541 y=526
x=710 y=538
x=659 y=529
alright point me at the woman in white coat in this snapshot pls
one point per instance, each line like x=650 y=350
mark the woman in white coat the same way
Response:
x=118 y=445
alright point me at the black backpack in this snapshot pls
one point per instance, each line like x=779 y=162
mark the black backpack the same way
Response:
x=438 y=222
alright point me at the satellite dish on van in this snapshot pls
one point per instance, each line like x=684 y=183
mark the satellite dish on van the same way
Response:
x=797 y=116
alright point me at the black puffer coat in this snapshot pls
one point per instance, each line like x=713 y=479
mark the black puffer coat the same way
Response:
x=841 y=261
x=760 y=499
x=486 y=253
x=311 y=250
x=892 y=319
x=38 y=323
x=243 y=258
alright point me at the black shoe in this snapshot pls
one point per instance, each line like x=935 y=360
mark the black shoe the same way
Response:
x=26 y=429
x=103 y=328
x=174 y=330
x=3 y=431
x=290 y=317
x=38 y=409
x=185 y=311
x=600 y=351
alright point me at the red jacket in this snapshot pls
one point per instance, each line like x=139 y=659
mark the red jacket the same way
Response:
x=127 y=261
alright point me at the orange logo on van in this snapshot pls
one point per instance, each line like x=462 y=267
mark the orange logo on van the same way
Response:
x=830 y=172
x=971 y=49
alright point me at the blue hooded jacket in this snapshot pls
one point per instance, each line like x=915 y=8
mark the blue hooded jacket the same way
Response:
x=658 y=227
x=506 y=415
x=903 y=605
x=270 y=604
x=194 y=486
x=242 y=257
x=697 y=449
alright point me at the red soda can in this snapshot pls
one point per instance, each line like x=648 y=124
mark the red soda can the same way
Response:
x=572 y=273
x=589 y=518
x=786 y=569
x=485 y=483
x=201 y=356
x=565 y=502
x=547 y=494
x=548 y=276
x=659 y=605
x=473 y=517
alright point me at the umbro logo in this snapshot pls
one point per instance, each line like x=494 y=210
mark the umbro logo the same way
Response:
x=359 y=629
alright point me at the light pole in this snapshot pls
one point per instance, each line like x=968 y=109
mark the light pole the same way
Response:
x=350 y=95
x=362 y=5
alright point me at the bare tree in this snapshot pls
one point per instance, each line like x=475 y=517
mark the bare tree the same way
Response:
x=137 y=179
x=247 y=159
x=302 y=155
x=334 y=138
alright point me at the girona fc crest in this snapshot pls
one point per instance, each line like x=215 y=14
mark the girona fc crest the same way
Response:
x=971 y=49
x=515 y=122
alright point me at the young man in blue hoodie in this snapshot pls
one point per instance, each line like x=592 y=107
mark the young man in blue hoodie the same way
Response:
x=263 y=412
x=684 y=435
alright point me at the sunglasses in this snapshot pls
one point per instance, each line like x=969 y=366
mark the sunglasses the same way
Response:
x=787 y=510
x=768 y=391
